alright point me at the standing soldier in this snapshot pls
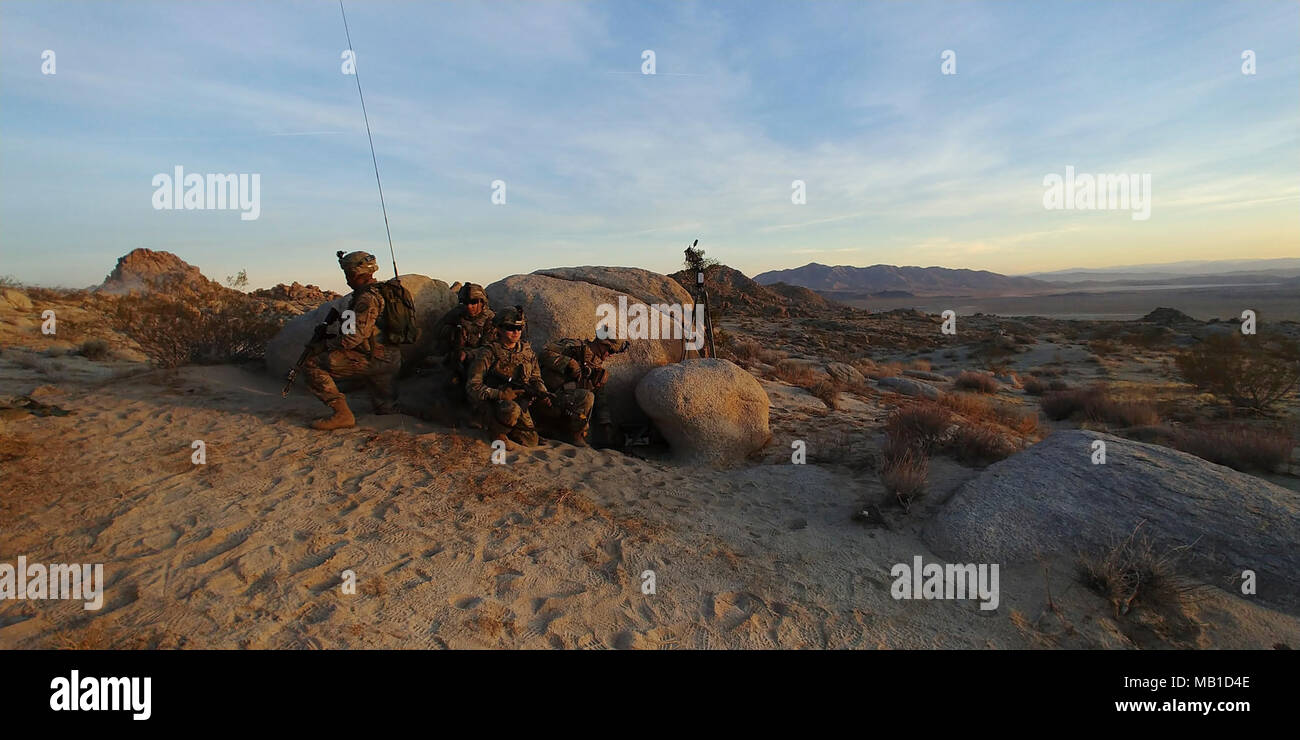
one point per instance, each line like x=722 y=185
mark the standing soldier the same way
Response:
x=503 y=379
x=458 y=333
x=575 y=369
x=363 y=353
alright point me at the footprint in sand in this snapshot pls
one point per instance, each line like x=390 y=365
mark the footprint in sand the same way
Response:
x=465 y=601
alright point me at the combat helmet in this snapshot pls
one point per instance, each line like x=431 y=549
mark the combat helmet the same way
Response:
x=357 y=262
x=470 y=291
x=511 y=318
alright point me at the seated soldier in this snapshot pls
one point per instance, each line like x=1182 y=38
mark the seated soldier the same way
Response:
x=361 y=354
x=458 y=333
x=503 y=380
x=574 y=368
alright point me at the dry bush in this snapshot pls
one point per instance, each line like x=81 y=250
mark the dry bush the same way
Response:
x=920 y=364
x=1131 y=572
x=743 y=351
x=1238 y=446
x=1251 y=372
x=1048 y=372
x=827 y=391
x=1058 y=385
x=920 y=425
x=979 y=444
x=979 y=382
x=95 y=349
x=176 y=332
x=1095 y=404
x=1033 y=386
x=904 y=470
x=967 y=404
x=794 y=373
x=881 y=370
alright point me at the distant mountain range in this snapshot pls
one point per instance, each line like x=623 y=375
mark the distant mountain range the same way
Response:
x=888 y=281
x=913 y=280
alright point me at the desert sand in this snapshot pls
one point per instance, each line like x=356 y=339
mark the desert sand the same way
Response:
x=449 y=550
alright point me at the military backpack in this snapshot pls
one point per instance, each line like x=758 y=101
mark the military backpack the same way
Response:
x=397 y=323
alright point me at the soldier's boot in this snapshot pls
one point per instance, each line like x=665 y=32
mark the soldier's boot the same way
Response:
x=525 y=437
x=579 y=437
x=342 y=418
x=510 y=445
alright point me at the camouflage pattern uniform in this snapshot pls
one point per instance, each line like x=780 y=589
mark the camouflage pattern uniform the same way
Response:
x=362 y=354
x=490 y=368
x=574 y=368
x=456 y=349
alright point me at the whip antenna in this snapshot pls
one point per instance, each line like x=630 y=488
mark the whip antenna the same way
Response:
x=374 y=159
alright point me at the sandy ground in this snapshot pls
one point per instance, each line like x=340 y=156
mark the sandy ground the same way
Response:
x=449 y=550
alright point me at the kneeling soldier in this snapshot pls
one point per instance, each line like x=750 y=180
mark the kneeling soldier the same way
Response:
x=575 y=369
x=503 y=380
x=361 y=354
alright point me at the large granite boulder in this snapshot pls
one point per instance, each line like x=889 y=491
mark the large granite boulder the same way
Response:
x=565 y=302
x=709 y=410
x=432 y=299
x=1052 y=499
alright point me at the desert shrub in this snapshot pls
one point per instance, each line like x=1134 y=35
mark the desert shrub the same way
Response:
x=1131 y=572
x=1095 y=404
x=1061 y=405
x=1058 y=385
x=1150 y=337
x=1251 y=372
x=1103 y=347
x=9 y=281
x=1126 y=413
x=827 y=391
x=980 y=382
x=794 y=373
x=95 y=349
x=979 y=444
x=1033 y=386
x=1238 y=446
x=904 y=470
x=743 y=350
x=921 y=364
x=173 y=332
x=921 y=425
x=877 y=370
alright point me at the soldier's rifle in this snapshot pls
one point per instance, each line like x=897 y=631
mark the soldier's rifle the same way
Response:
x=528 y=394
x=314 y=347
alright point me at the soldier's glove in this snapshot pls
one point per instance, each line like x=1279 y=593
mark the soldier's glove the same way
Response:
x=544 y=399
x=573 y=369
x=597 y=377
x=510 y=394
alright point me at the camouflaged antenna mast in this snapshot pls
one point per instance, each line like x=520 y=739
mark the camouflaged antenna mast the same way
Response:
x=356 y=73
x=700 y=294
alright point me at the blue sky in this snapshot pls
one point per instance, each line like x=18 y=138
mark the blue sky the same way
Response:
x=604 y=165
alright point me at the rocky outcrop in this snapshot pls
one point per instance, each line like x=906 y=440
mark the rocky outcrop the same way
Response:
x=845 y=374
x=909 y=387
x=710 y=410
x=147 y=271
x=1052 y=499
x=565 y=302
x=307 y=296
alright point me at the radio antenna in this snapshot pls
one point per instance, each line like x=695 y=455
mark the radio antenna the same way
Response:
x=373 y=158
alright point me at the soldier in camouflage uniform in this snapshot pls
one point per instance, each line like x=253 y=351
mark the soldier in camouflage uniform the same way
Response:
x=487 y=381
x=574 y=368
x=458 y=333
x=361 y=354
